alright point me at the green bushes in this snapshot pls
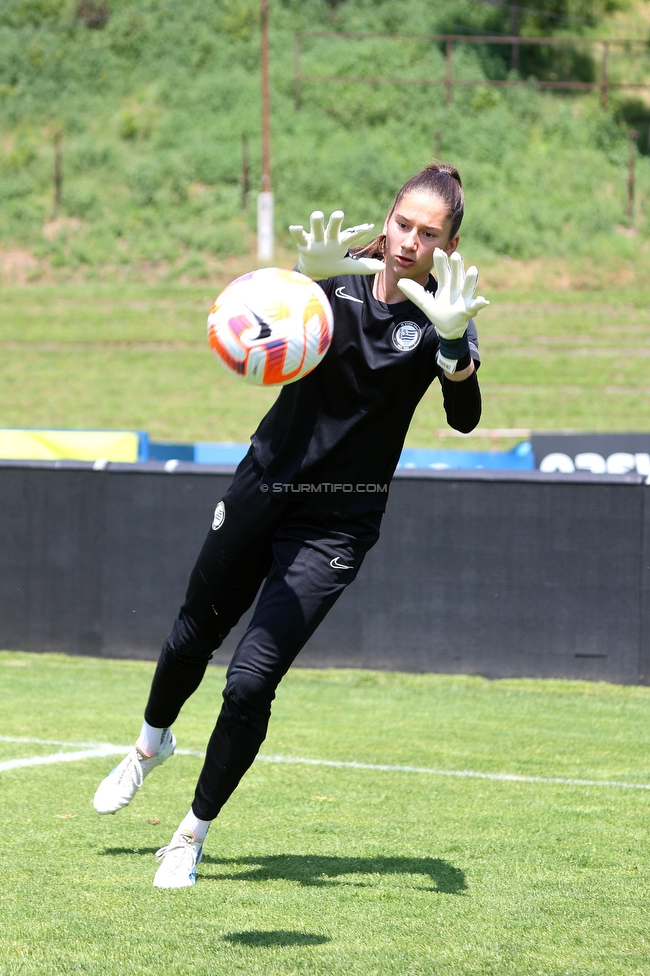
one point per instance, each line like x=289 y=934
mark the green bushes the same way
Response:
x=153 y=104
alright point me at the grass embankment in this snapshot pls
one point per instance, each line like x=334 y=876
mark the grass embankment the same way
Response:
x=153 y=106
x=562 y=348
x=333 y=870
x=109 y=328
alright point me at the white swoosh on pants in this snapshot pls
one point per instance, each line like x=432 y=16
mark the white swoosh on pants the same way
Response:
x=337 y=565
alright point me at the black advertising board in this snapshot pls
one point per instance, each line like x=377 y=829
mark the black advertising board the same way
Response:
x=595 y=453
x=476 y=572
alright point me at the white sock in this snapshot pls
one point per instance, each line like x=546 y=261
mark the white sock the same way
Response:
x=199 y=828
x=151 y=740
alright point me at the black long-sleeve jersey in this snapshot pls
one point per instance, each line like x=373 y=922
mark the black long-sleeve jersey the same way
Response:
x=338 y=432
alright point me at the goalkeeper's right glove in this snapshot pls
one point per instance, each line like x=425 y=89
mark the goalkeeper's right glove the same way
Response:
x=323 y=252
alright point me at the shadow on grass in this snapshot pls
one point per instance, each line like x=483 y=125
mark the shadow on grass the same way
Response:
x=257 y=939
x=310 y=870
x=315 y=871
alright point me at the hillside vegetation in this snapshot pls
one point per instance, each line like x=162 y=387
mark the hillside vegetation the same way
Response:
x=152 y=100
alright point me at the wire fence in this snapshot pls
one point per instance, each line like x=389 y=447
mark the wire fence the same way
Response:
x=602 y=47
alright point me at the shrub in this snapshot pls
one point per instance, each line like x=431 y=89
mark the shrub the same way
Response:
x=92 y=13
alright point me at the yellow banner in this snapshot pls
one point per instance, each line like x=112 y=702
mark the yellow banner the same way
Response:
x=74 y=445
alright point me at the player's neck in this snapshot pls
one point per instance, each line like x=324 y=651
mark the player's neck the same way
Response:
x=384 y=288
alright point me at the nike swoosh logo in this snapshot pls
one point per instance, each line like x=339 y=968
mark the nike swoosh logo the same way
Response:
x=340 y=293
x=337 y=565
x=265 y=328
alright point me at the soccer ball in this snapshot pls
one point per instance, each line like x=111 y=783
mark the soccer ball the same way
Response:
x=271 y=326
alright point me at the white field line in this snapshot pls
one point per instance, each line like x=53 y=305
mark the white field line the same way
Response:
x=57 y=757
x=93 y=749
x=462 y=773
x=57 y=742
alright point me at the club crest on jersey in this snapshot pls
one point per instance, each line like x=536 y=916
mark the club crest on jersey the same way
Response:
x=219 y=516
x=406 y=336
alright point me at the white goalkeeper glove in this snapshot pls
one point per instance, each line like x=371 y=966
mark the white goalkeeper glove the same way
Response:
x=322 y=252
x=452 y=306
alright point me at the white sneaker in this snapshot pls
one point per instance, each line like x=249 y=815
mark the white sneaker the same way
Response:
x=123 y=782
x=178 y=861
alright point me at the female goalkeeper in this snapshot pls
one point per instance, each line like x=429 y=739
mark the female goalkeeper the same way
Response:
x=306 y=503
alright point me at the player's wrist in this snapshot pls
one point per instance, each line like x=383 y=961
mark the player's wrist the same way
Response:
x=453 y=354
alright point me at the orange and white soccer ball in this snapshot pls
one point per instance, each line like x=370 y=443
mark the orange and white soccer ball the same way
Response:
x=271 y=326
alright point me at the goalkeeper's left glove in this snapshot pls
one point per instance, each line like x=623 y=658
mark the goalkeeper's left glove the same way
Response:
x=452 y=306
x=323 y=252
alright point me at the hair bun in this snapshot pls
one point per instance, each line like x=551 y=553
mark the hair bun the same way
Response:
x=445 y=169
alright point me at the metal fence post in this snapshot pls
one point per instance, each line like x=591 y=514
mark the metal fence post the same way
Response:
x=603 y=78
x=58 y=178
x=631 y=136
x=514 y=30
x=245 y=172
x=265 y=198
x=296 y=72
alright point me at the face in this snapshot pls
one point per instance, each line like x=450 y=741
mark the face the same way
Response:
x=418 y=224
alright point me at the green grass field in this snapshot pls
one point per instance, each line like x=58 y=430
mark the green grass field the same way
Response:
x=134 y=356
x=333 y=869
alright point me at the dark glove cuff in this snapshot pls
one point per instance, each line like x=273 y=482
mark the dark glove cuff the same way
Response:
x=455 y=349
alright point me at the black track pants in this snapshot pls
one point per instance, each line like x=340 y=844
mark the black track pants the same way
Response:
x=306 y=560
